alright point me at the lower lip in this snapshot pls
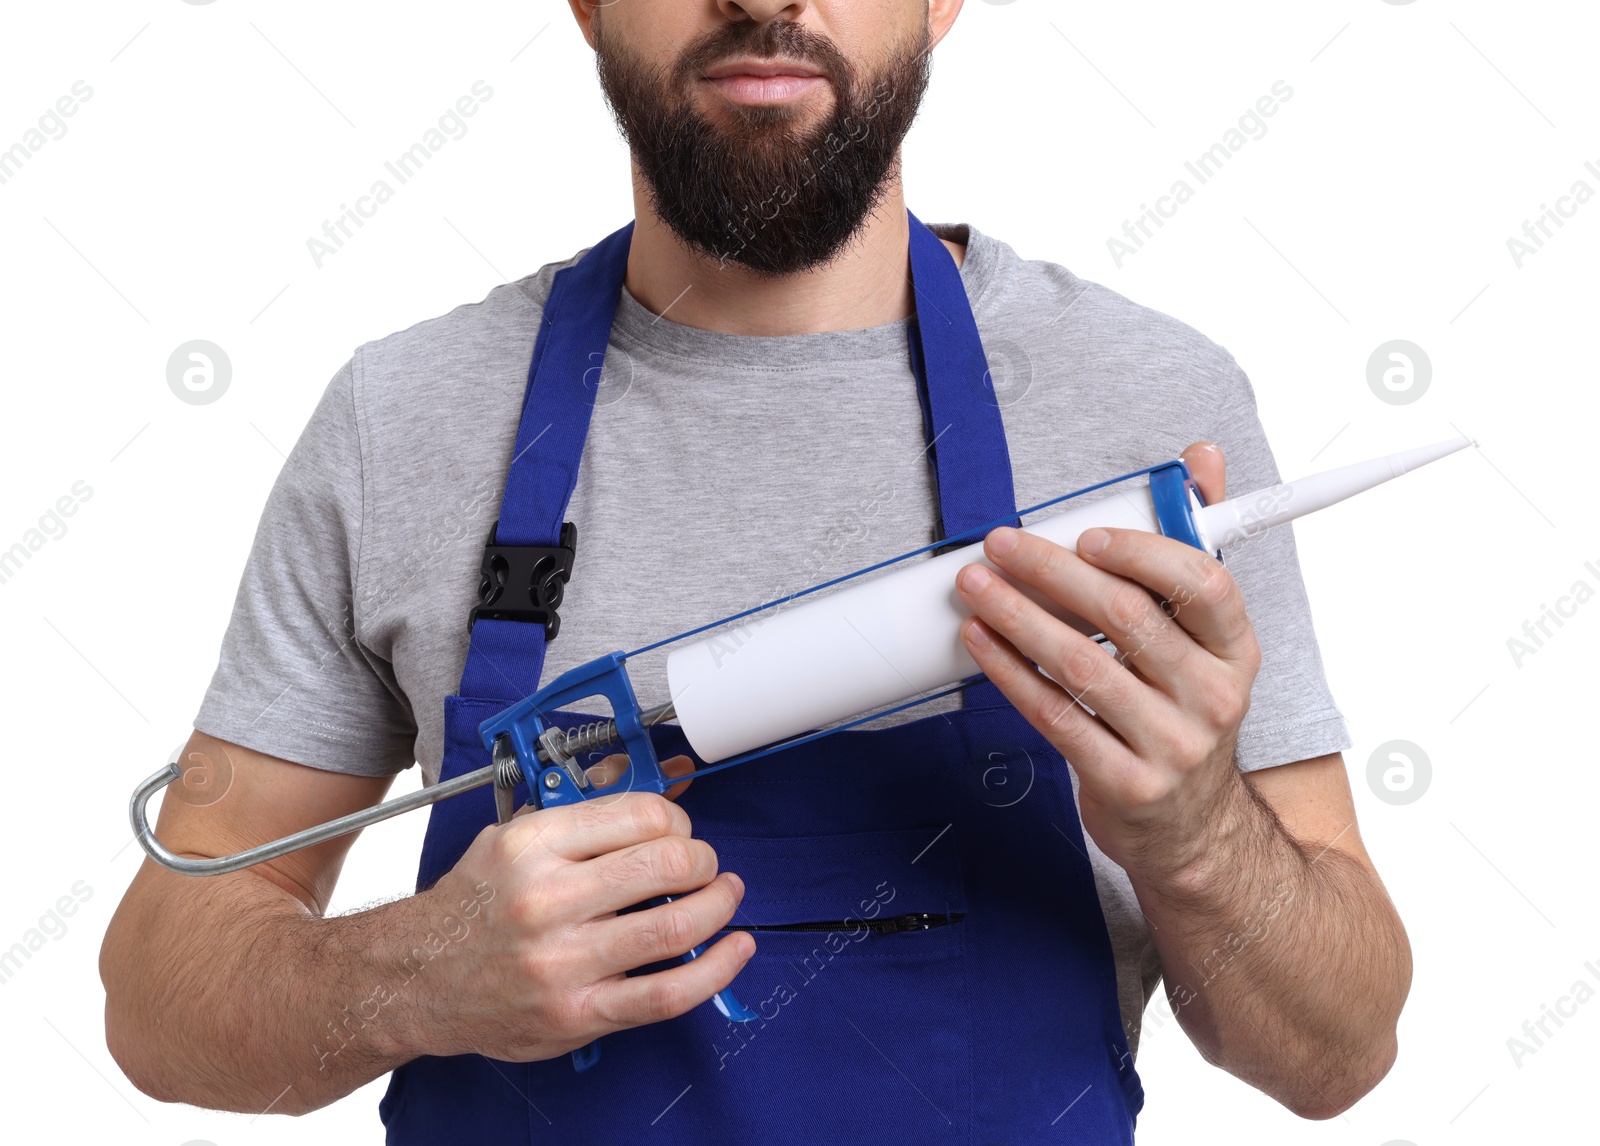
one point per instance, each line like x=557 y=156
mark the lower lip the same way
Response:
x=766 y=90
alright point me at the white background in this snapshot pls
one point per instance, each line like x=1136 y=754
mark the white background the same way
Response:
x=1419 y=138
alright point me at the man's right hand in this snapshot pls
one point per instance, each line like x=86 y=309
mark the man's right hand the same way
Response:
x=517 y=952
x=541 y=970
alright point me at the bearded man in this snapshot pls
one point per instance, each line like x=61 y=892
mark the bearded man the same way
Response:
x=943 y=925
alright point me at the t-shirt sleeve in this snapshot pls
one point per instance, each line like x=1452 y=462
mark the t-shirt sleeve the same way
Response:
x=293 y=679
x=1292 y=712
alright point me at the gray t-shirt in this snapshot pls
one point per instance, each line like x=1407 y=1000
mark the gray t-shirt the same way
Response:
x=720 y=471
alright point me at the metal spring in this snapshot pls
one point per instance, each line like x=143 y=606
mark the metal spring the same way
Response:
x=599 y=734
x=591 y=737
x=507 y=772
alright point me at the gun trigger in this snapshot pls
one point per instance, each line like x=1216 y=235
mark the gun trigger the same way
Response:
x=732 y=1009
x=585 y=1057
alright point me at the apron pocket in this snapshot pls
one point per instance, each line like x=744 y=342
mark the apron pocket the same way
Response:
x=863 y=876
x=860 y=981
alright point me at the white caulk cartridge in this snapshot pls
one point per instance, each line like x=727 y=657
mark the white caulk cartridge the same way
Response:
x=880 y=641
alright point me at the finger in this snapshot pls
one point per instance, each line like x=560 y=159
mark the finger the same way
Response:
x=639 y=938
x=678 y=766
x=1209 y=469
x=1077 y=663
x=1086 y=743
x=1201 y=594
x=608 y=771
x=613 y=768
x=670 y=865
x=593 y=828
x=631 y=1002
x=1145 y=636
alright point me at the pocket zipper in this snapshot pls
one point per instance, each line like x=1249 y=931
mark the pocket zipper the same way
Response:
x=922 y=921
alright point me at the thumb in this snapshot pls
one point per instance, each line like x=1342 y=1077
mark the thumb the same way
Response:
x=1209 y=469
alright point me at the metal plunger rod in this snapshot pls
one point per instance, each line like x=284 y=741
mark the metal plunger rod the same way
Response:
x=589 y=738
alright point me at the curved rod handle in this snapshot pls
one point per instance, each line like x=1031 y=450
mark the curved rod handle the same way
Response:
x=321 y=833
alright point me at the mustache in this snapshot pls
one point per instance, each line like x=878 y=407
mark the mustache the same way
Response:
x=776 y=38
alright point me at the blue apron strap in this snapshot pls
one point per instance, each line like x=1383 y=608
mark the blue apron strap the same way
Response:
x=966 y=437
x=506 y=658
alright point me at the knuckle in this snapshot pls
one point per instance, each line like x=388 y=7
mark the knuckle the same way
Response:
x=1215 y=586
x=523 y=909
x=1223 y=704
x=1143 y=789
x=1130 y=609
x=1044 y=558
x=1056 y=710
x=1181 y=749
x=672 y=859
x=535 y=966
x=652 y=814
x=1006 y=604
x=1083 y=662
x=668 y=999
x=674 y=931
x=542 y=906
x=516 y=840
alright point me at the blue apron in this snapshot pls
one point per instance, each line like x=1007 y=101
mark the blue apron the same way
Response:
x=931 y=963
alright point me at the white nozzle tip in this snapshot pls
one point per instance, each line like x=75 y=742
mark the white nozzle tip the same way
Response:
x=1238 y=518
x=1407 y=460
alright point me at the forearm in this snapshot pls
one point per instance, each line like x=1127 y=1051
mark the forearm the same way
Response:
x=1286 y=964
x=229 y=993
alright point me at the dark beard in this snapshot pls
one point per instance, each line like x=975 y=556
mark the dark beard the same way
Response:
x=763 y=194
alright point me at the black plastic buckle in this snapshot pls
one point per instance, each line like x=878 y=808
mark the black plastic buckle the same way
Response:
x=526 y=582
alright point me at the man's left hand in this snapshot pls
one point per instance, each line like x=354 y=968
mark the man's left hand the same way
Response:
x=1155 y=756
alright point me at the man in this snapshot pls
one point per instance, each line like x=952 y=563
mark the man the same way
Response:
x=943 y=932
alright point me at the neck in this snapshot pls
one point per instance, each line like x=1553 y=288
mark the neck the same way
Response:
x=866 y=284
